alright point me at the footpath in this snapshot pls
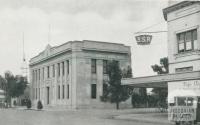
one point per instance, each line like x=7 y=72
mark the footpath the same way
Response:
x=156 y=118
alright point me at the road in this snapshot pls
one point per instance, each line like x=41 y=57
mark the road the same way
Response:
x=68 y=117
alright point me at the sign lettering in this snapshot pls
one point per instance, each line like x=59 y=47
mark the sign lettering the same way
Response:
x=143 y=39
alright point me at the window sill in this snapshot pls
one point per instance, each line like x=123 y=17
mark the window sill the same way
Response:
x=187 y=53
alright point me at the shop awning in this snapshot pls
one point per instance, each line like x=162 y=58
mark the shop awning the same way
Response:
x=160 y=81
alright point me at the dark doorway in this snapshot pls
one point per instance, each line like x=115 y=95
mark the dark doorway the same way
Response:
x=47 y=95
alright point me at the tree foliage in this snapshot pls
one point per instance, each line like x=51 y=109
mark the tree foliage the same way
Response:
x=163 y=68
x=115 y=92
x=14 y=86
x=127 y=73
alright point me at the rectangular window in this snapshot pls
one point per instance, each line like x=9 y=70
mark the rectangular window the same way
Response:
x=93 y=65
x=93 y=91
x=63 y=91
x=68 y=91
x=58 y=69
x=33 y=76
x=187 y=41
x=194 y=36
x=63 y=68
x=43 y=72
x=58 y=91
x=53 y=70
x=181 y=101
x=39 y=73
x=39 y=93
x=105 y=66
x=67 y=66
x=48 y=72
x=184 y=69
x=36 y=93
x=36 y=75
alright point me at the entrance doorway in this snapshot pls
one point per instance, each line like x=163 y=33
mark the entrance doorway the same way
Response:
x=47 y=95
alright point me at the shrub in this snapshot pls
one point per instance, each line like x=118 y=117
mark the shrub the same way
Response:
x=28 y=104
x=39 y=105
x=14 y=103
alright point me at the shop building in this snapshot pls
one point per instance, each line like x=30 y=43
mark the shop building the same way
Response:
x=72 y=75
x=183 y=21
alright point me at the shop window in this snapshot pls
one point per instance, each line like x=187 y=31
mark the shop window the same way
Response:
x=181 y=101
x=93 y=91
x=187 y=41
x=190 y=101
x=93 y=66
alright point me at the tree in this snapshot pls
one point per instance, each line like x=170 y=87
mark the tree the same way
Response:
x=15 y=86
x=115 y=92
x=127 y=73
x=2 y=83
x=28 y=104
x=163 y=68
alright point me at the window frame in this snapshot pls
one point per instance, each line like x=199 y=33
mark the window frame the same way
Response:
x=93 y=66
x=186 y=41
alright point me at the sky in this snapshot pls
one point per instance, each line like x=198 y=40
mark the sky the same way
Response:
x=101 y=20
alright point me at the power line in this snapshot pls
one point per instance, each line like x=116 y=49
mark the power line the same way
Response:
x=151 y=27
x=151 y=32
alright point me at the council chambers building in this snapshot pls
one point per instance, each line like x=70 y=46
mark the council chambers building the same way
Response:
x=73 y=74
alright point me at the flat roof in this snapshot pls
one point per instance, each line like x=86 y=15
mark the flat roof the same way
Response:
x=160 y=81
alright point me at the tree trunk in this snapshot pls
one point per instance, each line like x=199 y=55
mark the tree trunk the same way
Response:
x=117 y=105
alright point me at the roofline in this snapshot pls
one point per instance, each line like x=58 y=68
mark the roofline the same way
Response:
x=80 y=41
x=177 y=6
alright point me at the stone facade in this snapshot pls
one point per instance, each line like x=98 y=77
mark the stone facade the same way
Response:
x=64 y=75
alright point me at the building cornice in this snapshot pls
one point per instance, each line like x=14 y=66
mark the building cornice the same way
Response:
x=177 y=7
x=76 y=46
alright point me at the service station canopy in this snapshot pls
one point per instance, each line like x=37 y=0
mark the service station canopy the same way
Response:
x=160 y=81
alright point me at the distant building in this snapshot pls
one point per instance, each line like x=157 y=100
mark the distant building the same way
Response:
x=72 y=75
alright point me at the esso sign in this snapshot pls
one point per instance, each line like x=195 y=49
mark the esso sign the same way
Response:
x=143 y=39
